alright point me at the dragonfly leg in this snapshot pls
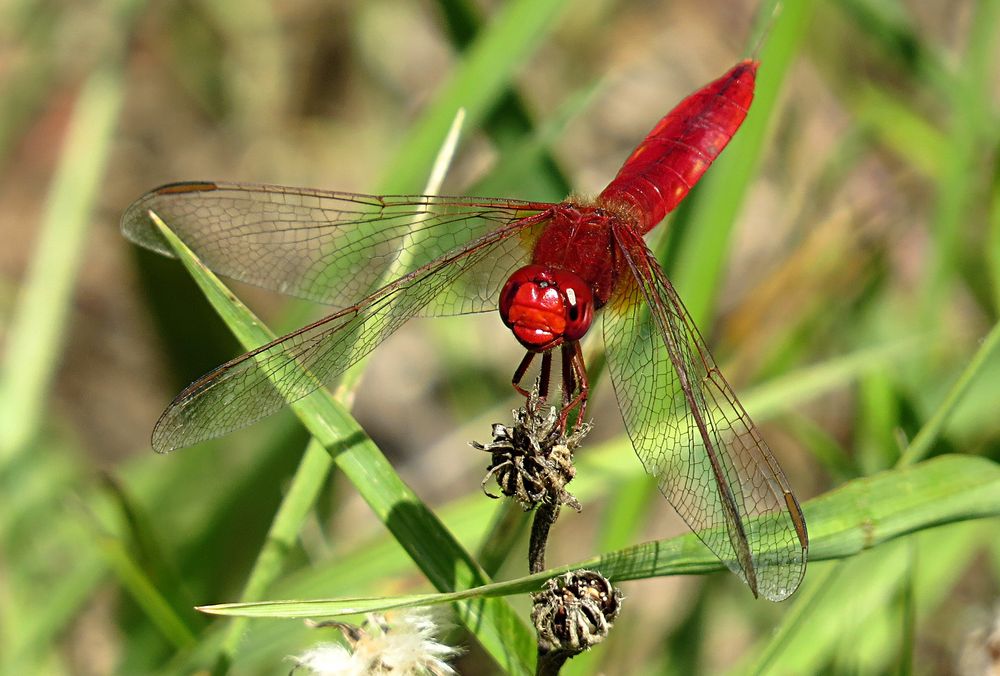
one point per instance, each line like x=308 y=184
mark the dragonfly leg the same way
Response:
x=522 y=368
x=545 y=376
x=574 y=374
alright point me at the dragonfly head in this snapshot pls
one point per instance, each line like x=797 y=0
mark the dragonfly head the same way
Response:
x=545 y=307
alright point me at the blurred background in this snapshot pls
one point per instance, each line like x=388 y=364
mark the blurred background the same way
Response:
x=856 y=230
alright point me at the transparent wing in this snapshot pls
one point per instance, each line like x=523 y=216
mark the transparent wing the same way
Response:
x=691 y=433
x=261 y=382
x=328 y=247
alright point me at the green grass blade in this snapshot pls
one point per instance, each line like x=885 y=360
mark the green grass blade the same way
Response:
x=922 y=443
x=509 y=39
x=856 y=517
x=316 y=463
x=847 y=609
x=306 y=485
x=716 y=202
x=602 y=469
x=38 y=325
x=971 y=125
x=417 y=529
x=993 y=240
x=902 y=129
x=509 y=119
x=134 y=579
x=606 y=467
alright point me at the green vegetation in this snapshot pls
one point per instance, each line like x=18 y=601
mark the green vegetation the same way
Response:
x=842 y=258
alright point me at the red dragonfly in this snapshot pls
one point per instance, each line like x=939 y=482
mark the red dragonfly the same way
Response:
x=549 y=268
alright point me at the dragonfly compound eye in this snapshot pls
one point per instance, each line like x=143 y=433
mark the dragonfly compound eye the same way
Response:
x=579 y=304
x=544 y=307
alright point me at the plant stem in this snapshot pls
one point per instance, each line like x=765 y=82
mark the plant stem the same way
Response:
x=545 y=516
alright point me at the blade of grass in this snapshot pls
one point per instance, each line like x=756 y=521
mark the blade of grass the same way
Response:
x=316 y=463
x=908 y=619
x=417 y=529
x=928 y=434
x=850 y=616
x=993 y=237
x=845 y=522
x=37 y=328
x=900 y=127
x=715 y=203
x=602 y=469
x=605 y=467
x=918 y=448
x=512 y=35
x=508 y=119
x=970 y=126
x=135 y=581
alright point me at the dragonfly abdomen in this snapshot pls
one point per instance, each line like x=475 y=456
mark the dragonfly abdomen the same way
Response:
x=662 y=169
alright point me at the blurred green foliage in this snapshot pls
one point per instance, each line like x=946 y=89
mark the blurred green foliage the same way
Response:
x=842 y=257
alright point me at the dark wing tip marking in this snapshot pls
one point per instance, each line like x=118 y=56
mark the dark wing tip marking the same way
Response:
x=798 y=520
x=184 y=187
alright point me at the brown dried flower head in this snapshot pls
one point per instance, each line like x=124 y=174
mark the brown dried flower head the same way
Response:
x=532 y=461
x=574 y=611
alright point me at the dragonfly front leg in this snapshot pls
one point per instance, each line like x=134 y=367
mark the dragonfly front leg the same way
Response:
x=522 y=368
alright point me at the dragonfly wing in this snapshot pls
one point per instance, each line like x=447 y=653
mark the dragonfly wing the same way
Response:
x=328 y=247
x=691 y=433
x=261 y=382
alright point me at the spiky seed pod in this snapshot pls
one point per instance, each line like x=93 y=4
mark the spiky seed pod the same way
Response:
x=574 y=612
x=532 y=461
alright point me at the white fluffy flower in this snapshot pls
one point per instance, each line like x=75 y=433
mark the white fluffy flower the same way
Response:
x=405 y=644
x=326 y=659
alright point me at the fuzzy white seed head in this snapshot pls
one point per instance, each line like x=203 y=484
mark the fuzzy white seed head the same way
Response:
x=402 y=644
x=327 y=659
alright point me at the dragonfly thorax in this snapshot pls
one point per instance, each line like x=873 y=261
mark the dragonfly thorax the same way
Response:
x=545 y=307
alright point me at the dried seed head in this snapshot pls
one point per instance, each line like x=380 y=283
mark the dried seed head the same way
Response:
x=574 y=612
x=532 y=461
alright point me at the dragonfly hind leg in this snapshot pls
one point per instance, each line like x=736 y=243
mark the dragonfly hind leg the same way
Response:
x=575 y=386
